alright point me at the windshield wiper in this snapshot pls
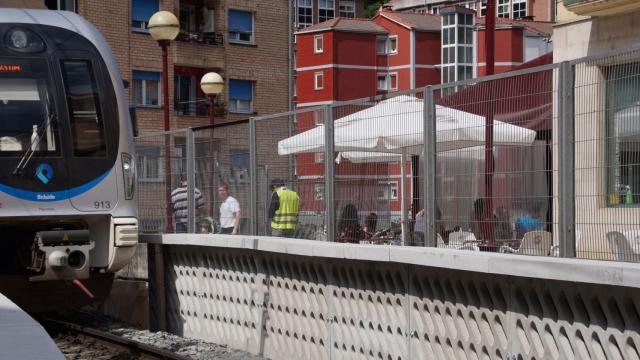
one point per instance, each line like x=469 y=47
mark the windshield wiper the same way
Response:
x=28 y=154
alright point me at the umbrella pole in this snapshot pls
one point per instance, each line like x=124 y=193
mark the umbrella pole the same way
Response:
x=403 y=201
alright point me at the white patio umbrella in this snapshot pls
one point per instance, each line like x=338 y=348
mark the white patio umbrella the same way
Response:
x=396 y=126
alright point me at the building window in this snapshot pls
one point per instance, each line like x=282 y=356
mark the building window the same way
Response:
x=305 y=13
x=435 y=10
x=519 y=9
x=318 y=82
x=240 y=27
x=623 y=134
x=393 y=44
x=141 y=12
x=470 y=4
x=318 y=117
x=388 y=190
x=318 y=45
x=240 y=96
x=457 y=47
x=347 y=8
x=318 y=192
x=66 y=5
x=326 y=10
x=149 y=166
x=185 y=95
x=188 y=18
x=381 y=45
x=503 y=8
x=382 y=82
x=483 y=8
x=145 y=90
x=239 y=166
x=393 y=81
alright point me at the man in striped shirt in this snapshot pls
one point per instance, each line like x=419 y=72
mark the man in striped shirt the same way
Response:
x=180 y=205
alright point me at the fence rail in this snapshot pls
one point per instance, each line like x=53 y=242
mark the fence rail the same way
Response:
x=541 y=161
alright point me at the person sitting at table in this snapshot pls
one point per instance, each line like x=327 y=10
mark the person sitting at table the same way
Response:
x=420 y=226
x=349 y=229
x=370 y=224
x=481 y=228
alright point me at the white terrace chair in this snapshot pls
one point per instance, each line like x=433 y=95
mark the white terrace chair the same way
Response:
x=460 y=240
x=624 y=246
x=533 y=243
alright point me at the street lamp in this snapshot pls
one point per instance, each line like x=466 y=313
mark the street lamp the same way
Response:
x=164 y=27
x=211 y=85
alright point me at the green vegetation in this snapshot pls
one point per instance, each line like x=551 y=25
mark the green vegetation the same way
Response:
x=371 y=6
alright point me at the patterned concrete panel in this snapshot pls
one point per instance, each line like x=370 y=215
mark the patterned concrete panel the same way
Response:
x=214 y=296
x=292 y=306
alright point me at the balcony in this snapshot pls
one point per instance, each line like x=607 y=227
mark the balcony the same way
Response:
x=601 y=7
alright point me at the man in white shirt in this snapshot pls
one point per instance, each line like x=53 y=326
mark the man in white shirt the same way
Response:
x=229 y=212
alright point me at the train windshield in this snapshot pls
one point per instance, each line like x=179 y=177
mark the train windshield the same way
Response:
x=26 y=112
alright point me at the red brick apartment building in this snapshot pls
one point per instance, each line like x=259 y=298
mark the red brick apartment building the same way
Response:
x=244 y=41
x=344 y=59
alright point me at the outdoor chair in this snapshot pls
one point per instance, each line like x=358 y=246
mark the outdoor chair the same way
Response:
x=460 y=238
x=622 y=247
x=533 y=243
x=463 y=241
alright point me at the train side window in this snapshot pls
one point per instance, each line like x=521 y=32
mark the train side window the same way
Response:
x=83 y=101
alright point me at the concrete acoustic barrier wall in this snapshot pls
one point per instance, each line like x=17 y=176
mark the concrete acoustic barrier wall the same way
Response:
x=293 y=299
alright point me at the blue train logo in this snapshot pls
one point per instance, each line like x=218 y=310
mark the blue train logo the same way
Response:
x=44 y=173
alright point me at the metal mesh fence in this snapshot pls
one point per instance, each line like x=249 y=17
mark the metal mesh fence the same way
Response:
x=549 y=130
x=161 y=164
x=378 y=142
x=607 y=146
x=292 y=162
x=502 y=199
x=222 y=178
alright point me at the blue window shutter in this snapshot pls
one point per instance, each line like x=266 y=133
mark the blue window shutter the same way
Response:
x=141 y=10
x=146 y=75
x=240 y=90
x=240 y=21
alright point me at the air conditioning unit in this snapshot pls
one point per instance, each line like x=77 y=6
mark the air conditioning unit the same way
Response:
x=209 y=21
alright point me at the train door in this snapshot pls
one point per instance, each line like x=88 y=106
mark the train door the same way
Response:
x=92 y=114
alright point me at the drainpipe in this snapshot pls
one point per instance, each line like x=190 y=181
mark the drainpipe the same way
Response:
x=291 y=67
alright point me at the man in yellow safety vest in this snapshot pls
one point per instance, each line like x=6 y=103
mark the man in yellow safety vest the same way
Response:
x=283 y=210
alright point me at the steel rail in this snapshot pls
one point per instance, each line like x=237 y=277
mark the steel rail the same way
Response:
x=135 y=347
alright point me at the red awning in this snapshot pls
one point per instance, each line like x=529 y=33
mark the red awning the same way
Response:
x=525 y=100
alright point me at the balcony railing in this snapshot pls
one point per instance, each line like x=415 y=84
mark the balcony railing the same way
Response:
x=202 y=38
x=601 y=7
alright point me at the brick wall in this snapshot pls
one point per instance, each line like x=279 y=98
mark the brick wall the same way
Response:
x=265 y=63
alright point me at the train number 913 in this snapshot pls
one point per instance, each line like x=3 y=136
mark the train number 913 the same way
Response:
x=102 y=204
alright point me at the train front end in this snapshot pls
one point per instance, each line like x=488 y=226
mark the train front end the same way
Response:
x=68 y=214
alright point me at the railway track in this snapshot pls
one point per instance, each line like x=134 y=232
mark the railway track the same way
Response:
x=83 y=342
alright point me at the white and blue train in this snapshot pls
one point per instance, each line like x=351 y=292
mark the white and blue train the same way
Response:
x=68 y=207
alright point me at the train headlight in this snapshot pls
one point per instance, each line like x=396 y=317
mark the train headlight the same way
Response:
x=24 y=41
x=129 y=173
